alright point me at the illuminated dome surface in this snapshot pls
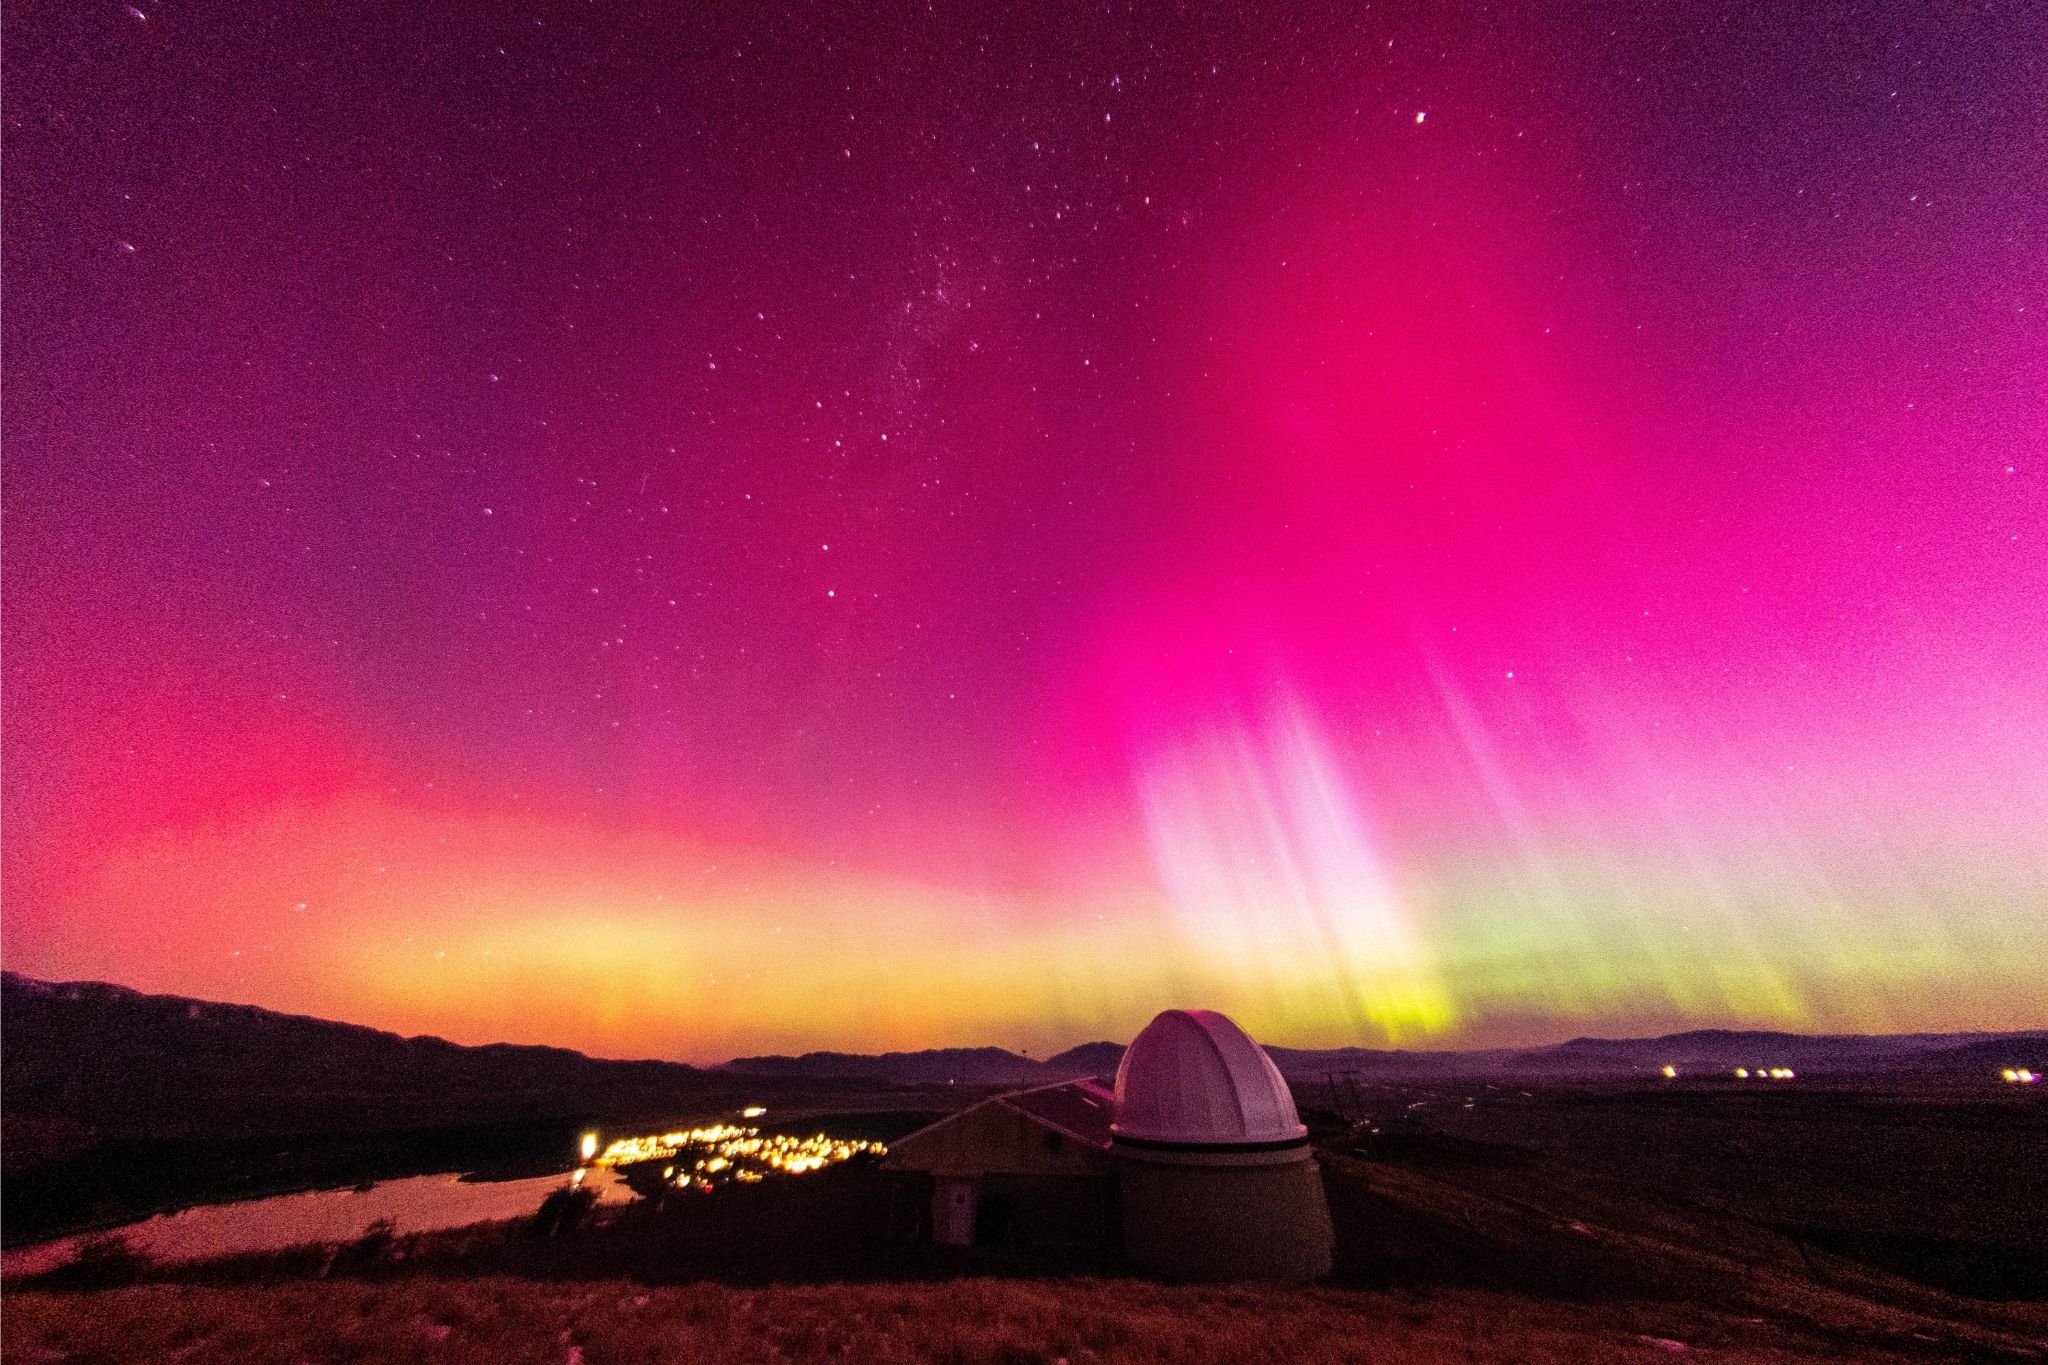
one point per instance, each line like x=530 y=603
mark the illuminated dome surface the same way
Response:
x=1194 y=1079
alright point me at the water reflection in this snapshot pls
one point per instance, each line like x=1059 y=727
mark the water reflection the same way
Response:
x=427 y=1203
x=651 y=1165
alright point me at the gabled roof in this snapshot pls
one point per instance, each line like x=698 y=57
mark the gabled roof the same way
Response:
x=1081 y=1110
x=1077 y=1111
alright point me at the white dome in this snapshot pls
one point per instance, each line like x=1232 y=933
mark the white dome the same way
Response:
x=1193 y=1079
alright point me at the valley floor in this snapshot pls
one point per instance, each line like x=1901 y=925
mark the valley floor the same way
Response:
x=1577 y=1225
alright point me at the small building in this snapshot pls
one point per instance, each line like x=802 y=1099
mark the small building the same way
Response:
x=1196 y=1166
x=1030 y=1169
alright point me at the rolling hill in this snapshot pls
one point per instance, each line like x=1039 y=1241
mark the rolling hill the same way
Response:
x=85 y=1059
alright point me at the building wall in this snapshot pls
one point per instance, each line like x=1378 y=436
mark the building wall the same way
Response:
x=1187 y=1222
x=1047 y=1212
x=992 y=1138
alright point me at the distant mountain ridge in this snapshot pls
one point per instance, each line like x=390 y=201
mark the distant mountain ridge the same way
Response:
x=1089 y=1059
x=1958 y=1056
x=88 y=1059
x=944 y=1065
x=1699 y=1050
x=940 y=1066
x=115 y=1104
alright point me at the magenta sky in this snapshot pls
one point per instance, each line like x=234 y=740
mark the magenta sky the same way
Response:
x=693 y=533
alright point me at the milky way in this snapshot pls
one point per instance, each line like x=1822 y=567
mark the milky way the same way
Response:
x=680 y=533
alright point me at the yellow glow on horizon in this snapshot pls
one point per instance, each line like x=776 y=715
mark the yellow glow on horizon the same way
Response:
x=1263 y=890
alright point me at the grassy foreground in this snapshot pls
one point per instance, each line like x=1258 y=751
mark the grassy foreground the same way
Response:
x=960 y=1322
x=1448 y=1249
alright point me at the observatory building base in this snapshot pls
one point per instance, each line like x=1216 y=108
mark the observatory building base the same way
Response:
x=1225 y=1222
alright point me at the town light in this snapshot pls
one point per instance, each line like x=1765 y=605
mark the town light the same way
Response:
x=589 y=1146
x=722 y=1152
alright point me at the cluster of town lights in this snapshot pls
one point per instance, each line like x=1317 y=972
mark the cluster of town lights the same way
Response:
x=2019 y=1075
x=711 y=1156
x=1774 y=1073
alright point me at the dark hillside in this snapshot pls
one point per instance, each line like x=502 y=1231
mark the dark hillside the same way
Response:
x=1089 y=1059
x=86 y=1060
x=117 y=1103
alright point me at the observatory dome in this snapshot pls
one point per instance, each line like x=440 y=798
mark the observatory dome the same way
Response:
x=1193 y=1080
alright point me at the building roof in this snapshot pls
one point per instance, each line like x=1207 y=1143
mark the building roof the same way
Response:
x=1082 y=1110
x=1053 y=1129
x=1195 y=1079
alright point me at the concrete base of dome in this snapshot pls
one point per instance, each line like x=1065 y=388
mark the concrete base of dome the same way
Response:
x=1184 y=1222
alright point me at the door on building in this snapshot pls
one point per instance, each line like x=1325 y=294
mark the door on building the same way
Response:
x=993 y=1220
x=953 y=1213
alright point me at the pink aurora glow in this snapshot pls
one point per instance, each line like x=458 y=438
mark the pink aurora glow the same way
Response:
x=970 y=532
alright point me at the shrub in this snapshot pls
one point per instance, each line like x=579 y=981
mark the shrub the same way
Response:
x=564 y=1211
x=102 y=1262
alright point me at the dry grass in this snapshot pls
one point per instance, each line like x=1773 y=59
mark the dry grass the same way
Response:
x=961 y=1322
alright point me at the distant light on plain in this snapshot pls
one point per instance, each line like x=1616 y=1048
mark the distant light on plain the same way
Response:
x=708 y=1157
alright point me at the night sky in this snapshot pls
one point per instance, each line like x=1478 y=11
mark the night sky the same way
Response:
x=694 y=530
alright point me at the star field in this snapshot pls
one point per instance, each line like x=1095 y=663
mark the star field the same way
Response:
x=683 y=532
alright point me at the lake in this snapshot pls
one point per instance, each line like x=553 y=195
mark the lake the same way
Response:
x=427 y=1203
